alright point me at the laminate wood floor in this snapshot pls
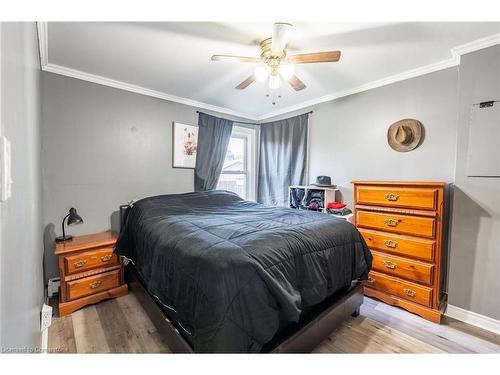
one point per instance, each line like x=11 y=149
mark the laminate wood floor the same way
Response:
x=121 y=326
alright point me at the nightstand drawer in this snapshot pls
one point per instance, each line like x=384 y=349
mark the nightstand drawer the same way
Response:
x=395 y=286
x=420 y=198
x=93 y=284
x=406 y=224
x=90 y=259
x=405 y=268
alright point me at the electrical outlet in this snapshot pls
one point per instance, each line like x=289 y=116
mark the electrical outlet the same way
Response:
x=46 y=317
x=53 y=286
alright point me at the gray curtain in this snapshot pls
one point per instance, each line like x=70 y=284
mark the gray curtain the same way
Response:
x=283 y=158
x=214 y=134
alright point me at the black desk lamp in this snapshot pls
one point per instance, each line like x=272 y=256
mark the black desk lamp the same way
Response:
x=73 y=219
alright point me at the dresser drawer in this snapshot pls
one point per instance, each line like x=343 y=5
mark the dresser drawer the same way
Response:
x=404 y=289
x=419 y=198
x=90 y=259
x=93 y=284
x=414 y=247
x=415 y=225
x=401 y=267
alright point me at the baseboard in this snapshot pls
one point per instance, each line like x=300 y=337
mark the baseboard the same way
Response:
x=473 y=318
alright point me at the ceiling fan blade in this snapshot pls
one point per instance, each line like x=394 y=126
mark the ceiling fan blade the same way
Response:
x=246 y=82
x=281 y=35
x=296 y=83
x=306 y=58
x=230 y=58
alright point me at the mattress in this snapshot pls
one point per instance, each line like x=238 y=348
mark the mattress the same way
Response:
x=233 y=273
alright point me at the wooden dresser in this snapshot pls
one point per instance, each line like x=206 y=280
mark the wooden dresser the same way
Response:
x=403 y=224
x=90 y=271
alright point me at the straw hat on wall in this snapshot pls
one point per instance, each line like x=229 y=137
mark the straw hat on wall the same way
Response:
x=404 y=135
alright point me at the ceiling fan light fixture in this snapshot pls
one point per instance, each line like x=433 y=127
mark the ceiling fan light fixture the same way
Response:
x=261 y=73
x=274 y=82
x=275 y=63
x=286 y=71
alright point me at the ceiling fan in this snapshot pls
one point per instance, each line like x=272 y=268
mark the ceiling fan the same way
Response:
x=274 y=61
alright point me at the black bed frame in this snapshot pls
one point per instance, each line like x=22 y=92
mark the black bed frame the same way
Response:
x=314 y=326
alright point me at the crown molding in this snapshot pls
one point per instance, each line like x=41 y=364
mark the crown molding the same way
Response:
x=476 y=45
x=43 y=43
x=74 y=73
x=368 y=86
x=68 y=72
x=456 y=54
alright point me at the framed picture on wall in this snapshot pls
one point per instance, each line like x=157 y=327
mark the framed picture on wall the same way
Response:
x=184 y=142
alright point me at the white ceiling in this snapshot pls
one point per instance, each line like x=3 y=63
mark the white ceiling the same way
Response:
x=173 y=58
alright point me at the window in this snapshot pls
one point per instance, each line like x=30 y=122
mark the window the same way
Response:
x=238 y=172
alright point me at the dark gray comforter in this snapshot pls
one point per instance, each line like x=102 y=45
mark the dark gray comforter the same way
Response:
x=233 y=272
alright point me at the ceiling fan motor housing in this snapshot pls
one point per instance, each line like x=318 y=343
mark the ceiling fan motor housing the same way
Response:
x=272 y=61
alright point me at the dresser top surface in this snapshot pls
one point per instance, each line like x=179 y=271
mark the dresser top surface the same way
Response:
x=401 y=183
x=85 y=242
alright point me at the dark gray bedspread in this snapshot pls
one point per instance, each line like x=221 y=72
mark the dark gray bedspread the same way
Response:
x=234 y=272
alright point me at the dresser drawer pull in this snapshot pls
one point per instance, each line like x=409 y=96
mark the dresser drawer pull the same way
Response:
x=95 y=284
x=107 y=258
x=390 y=243
x=389 y=264
x=409 y=292
x=391 y=197
x=391 y=222
x=80 y=263
x=370 y=280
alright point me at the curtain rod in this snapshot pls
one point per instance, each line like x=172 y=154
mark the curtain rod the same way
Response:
x=255 y=123
x=239 y=122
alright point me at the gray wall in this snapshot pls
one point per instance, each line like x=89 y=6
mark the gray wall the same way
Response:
x=102 y=147
x=474 y=282
x=21 y=293
x=348 y=142
x=348 y=136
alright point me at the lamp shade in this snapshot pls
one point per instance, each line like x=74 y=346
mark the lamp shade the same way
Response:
x=73 y=217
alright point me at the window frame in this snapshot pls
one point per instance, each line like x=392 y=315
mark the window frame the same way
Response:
x=249 y=159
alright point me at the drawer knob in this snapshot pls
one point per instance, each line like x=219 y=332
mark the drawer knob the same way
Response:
x=389 y=264
x=391 y=222
x=106 y=258
x=80 y=263
x=95 y=284
x=409 y=292
x=390 y=243
x=370 y=280
x=391 y=197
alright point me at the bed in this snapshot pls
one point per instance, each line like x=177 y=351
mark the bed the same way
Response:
x=229 y=275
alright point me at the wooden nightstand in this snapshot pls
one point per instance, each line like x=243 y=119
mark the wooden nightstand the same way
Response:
x=90 y=271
